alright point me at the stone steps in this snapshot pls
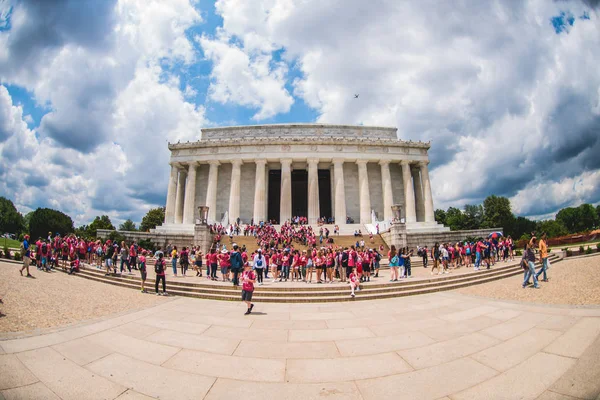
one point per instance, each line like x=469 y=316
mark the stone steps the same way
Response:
x=313 y=293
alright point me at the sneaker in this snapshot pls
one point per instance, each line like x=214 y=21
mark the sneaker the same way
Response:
x=165 y=294
x=157 y=293
x=358 y=289
x=247 y=312
x=352 y=295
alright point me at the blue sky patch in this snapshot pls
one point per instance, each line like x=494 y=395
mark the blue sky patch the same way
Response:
x=22 y=97
x=562 y=22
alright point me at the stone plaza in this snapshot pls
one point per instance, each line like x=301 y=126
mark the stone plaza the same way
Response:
x=438 y=346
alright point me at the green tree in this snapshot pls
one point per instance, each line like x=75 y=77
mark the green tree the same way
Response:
x=100 y=222
x=45 y=220
x=128 y=225
x=155 y=217
x=82 y=231
x=497 y=212
x=569 y=218
x=11 y=221
x=440 y=216
x=552 y=228
x=588 y=219
x=26 y=220
x=473 y=216
x=455 y=219
x=521 y=226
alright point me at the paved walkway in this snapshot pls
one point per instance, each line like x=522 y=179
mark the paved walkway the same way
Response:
x=444 y=345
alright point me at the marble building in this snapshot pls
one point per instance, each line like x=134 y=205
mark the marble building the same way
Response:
x=274 y=172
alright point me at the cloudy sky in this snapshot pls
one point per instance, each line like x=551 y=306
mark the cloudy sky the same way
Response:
x=91 y=91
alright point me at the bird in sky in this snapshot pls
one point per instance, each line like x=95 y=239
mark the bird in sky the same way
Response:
x=356 y=96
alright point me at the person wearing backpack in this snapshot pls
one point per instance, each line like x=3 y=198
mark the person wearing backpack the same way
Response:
x=376 y=260
x=159 y=269
x=45 y=254
x=259 y=263
x=184 y=260
x=393 y=263
x=237 y=263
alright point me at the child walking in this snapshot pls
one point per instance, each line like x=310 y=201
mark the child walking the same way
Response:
x=248 y=279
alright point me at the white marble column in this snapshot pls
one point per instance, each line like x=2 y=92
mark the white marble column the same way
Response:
x=339 y=191
x=260 y=188
x=211 y=191
x=427 y=195
x=419 y=206
x=234 y=192
x=171 y=193
x=179 y=197
x=409 y=193
x=364 y=195
x=285 y=206
x=190 y=195
x=313 y=191
x=386 y=186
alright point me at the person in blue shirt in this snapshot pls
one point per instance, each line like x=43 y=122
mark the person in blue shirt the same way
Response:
x=26 y=256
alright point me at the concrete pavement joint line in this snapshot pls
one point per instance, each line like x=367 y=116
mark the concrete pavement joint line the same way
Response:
x=167 y=360
x=209 y=389
x=560 y=355
x=358 y=390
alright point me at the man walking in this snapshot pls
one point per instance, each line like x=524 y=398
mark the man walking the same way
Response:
x=26 y=256
x=235 y=258
x=543 y=248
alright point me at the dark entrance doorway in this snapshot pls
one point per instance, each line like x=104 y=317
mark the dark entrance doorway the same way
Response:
x=274 y=198
x=300 y=193
x=325 y=193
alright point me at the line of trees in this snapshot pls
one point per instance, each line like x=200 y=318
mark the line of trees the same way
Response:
x=496 y=212
x=42 y=221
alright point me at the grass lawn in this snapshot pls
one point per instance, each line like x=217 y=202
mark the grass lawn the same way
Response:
x=12 y=244
x=575 y=246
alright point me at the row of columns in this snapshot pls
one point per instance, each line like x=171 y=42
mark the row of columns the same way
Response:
x=180 y=207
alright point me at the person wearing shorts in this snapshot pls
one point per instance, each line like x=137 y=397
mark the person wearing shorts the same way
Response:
x=248 y=279
x=26 y=256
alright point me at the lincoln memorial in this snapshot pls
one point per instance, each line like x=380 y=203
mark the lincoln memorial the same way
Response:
x=355 y=175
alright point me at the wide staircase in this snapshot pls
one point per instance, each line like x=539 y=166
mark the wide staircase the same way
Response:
x=338 y=240
x=302 y=292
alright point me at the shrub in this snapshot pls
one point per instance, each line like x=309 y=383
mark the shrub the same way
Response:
x=147 y=244
x=6 y=252
x=115 y=236
x=588 y=250
x=581 y=250
x=17 y=256
x=518 y=253
x=569 y=253
x=598 y=246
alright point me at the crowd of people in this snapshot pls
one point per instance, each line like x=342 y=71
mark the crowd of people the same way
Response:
x=276 y=258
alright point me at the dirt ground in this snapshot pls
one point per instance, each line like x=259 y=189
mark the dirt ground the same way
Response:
x=575 y=282
x=56 y=299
